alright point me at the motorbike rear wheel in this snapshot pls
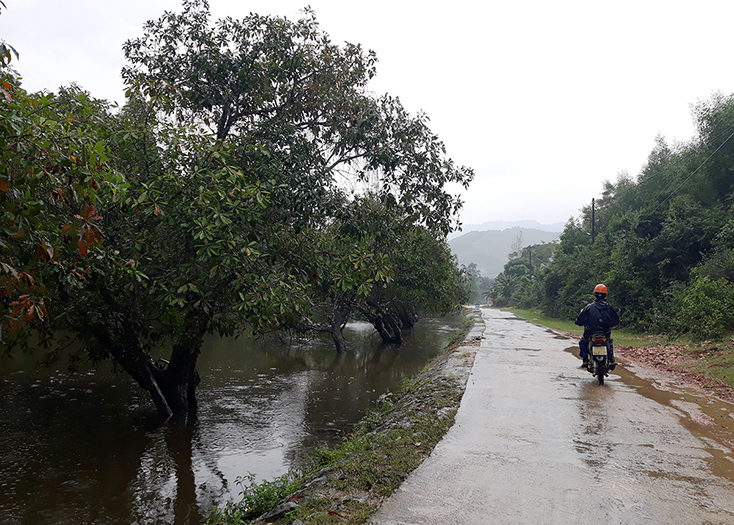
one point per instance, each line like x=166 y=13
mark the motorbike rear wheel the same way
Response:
x=601 y=370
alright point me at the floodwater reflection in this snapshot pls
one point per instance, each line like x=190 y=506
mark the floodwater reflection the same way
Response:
x=88 y=448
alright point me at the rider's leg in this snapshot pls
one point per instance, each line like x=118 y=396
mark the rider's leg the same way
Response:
x=610 y=355
x=584 y=349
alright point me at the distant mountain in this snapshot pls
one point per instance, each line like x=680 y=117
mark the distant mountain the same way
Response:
x=504 y=225
x=490 y=250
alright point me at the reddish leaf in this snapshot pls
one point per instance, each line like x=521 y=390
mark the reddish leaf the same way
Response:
x=29 y=315
x=83 y=248
x=42 y=311
x=45 y=250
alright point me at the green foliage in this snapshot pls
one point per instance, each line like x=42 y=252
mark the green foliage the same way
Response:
x=256 y=498
x=374 y=260
x=281 y=84
x=704 y=308
x=664 y=243
x=215 y=201
x=518 y=284
x=55 y=169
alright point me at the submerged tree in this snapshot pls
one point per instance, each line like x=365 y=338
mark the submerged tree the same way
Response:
x=135 y=267
x=376 y=263
x=214 y=201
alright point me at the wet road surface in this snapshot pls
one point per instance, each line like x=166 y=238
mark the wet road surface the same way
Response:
x=536 y=440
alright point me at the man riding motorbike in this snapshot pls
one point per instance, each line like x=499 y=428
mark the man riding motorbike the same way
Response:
x=598 y=316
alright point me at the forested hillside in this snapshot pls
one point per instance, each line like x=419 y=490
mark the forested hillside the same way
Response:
x=663 y=241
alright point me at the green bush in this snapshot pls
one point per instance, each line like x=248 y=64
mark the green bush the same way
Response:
x=704 y=308
x=257 y=498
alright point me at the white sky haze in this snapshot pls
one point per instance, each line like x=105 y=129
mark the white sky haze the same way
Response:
x=545 y=100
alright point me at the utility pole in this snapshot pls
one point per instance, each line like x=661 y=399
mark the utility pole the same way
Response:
x=530 y=260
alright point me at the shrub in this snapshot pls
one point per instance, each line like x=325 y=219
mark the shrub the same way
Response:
x=704 y=308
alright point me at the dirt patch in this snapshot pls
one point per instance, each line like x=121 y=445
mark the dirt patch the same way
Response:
x=673 y=362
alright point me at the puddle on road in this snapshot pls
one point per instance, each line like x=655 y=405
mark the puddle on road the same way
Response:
x=556 y=335
x=709 y=419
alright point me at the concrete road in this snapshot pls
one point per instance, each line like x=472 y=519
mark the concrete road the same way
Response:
x=536 y=440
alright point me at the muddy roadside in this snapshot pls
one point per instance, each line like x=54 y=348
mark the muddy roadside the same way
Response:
x=678 y=364
x=674 y=363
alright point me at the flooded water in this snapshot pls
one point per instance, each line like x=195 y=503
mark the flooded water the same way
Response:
x=88 y=448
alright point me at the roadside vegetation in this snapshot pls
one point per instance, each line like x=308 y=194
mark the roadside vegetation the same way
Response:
x=661 y=240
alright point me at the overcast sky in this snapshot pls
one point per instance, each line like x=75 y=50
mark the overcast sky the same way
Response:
x=544 y=99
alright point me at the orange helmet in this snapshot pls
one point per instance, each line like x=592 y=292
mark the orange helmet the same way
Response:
x=600 y=288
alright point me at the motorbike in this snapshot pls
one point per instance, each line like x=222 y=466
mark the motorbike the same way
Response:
x=599 y=364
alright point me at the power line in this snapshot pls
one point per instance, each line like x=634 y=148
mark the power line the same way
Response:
x=689 y=177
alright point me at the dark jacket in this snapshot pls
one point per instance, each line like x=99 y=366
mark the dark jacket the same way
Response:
x=598 y=316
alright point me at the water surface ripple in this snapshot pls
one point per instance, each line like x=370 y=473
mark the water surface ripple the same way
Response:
x=88 y=448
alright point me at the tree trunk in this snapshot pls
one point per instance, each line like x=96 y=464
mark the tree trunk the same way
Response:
x=336 y=322
x=386 y=324
x=178 y=387
x=335 y=329
x=172 y=386
x=405 y=313
x=179 y=379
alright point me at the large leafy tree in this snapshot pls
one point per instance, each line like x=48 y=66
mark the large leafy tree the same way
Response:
x=283 y=88
x=268 y=81
x=193 y=238
x=427 y=281
x=214 y=201
x=378 y=264
x=132 y=268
